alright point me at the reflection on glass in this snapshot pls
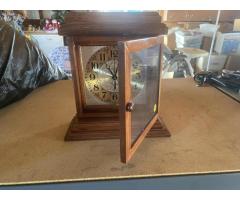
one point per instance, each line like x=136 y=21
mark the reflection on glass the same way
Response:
x=145 y=74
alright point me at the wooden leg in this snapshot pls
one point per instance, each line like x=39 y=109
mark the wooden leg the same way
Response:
x=95 y=128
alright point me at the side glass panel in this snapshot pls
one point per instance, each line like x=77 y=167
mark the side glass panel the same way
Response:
x=145 y=75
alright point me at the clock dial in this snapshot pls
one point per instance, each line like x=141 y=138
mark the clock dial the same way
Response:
x=101 y=75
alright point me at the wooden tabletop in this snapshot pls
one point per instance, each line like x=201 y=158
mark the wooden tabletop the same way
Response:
x=204 y=124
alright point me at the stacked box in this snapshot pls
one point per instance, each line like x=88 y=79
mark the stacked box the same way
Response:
x=190 y=39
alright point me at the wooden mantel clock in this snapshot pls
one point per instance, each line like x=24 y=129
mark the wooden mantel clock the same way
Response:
x=116 y=60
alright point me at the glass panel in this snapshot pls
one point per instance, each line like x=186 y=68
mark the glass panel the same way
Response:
x=198 y=46
x=145 y=74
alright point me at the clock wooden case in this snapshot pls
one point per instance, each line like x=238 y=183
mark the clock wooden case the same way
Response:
x=116 y=60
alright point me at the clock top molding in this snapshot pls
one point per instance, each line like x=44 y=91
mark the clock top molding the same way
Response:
x=96 y=28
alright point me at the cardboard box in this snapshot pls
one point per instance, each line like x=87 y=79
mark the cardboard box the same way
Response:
x=208 y=31
x=171 y=42
x=199 y=15
x=236 y=25
x=233 y=62
x=227 y=43
x=225 y=27
x=206 y=43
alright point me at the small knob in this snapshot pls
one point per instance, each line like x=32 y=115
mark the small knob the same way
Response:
x=130 y=106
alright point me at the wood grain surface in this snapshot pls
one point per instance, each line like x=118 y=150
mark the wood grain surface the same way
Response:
x=113 y=24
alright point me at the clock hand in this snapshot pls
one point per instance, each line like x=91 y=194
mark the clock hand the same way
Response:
x=109 y=69
x=116 y=71
x=115 y=68
x=115 y=84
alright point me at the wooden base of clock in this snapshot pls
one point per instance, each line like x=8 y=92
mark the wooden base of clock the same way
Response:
x=93 y=128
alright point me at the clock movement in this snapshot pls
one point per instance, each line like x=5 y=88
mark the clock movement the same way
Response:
x=116 y=60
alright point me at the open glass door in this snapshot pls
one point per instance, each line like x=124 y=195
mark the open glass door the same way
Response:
x=139 y=81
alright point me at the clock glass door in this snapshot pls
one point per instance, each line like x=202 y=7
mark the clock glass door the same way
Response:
x=140 y=63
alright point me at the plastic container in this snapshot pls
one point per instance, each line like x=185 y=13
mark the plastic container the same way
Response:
x=192 y=39
x=227 y=43
x=217 y=62
x=208 y=29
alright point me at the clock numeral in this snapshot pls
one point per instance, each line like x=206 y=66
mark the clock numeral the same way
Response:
x=93 y=57
x=104 y=95
x=114 y=97
x=102 y=57
x=94 y=65
x=137 y=65
x=138 y=75
x=134 y=65
x=113 y=54
x=92 y=76
x=95 y=87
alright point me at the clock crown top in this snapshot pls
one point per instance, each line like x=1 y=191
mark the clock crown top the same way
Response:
x=128 y=24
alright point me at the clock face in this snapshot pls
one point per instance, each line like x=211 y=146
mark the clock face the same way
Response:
x=101 y=75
